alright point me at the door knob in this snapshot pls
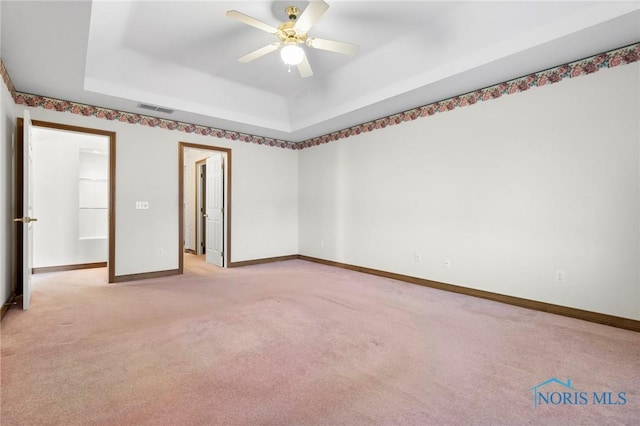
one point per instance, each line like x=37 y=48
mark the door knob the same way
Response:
x=25 y=219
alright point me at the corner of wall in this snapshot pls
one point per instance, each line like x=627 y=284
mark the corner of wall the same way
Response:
x=7 y=130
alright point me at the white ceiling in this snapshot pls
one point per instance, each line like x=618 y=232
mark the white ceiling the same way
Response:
x=182 y=55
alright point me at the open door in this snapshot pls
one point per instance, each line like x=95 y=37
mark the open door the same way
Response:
x=27 y=215
x=214 y=231
x=216 y=202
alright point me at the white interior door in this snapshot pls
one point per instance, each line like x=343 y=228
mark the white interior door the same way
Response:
x=214 y=231
x=27 y=219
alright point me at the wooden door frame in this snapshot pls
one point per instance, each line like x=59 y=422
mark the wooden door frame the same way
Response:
x=19 y=188
x=227 y=251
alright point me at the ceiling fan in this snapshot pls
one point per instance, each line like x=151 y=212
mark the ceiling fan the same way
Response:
x=292 y=34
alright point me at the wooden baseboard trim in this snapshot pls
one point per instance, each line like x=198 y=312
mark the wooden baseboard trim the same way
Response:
x=6 y=305
x=260 y=261
x=611 y=320
x=145 y=276
x=69 y=267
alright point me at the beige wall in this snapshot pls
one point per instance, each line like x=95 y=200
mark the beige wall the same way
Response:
x=510 y=191
x=265 y=194
x=7 y=130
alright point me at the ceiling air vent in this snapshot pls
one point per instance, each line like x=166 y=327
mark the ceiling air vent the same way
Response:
x=156 y=108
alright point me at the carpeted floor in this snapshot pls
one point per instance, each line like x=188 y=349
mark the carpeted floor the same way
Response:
x=297 y=343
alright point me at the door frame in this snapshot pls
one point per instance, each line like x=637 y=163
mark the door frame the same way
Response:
x=181 y=149
x=19 y=188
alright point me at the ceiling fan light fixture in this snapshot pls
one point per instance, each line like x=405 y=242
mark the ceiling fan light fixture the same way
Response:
x=292 y=35
x=292 y=54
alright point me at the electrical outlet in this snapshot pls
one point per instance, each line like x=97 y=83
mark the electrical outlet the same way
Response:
x=160 y=252
x=417 y=257
x=142 y=205
x=560 y=277
x=322 y=243
x=447 y=262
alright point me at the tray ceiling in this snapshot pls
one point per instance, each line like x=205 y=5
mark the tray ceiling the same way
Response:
x=182 y=56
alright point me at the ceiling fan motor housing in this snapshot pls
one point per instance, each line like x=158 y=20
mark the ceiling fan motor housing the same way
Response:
x=288 y=34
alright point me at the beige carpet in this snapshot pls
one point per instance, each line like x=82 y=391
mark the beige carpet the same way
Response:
x=296 y=343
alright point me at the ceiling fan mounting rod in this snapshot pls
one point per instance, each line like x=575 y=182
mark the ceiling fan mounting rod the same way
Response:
x=292 y=12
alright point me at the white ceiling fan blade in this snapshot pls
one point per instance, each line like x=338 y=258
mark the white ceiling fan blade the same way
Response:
x=333 y=46
x=311 y=15
x=305 y=68
x=258 y=53
x=246 y=19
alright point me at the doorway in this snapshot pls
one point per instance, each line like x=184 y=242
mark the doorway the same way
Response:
x=71 y=198
x=201 y=202
x=107 y=206
x=204 y=203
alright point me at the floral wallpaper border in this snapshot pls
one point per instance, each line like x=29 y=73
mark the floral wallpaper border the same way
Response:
x=144 y=120
x=611 y=59
x=614 y=58
x=7 y=80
